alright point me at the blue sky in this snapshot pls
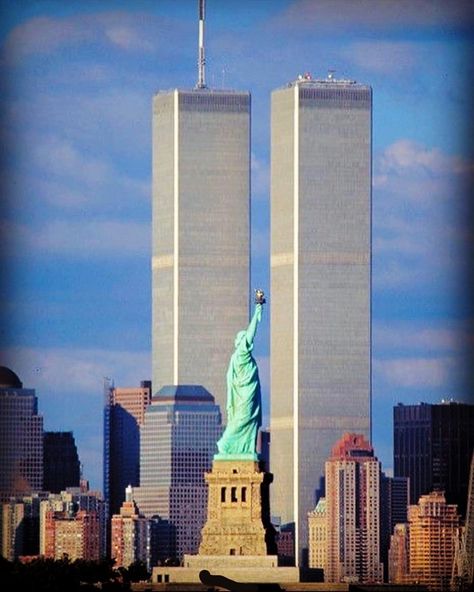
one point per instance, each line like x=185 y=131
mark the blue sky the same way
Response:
x=77 y=79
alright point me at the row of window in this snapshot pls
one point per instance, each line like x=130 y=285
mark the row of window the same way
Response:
x=233 y=494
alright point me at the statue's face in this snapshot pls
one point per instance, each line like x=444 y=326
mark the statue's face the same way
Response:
x=238 y=338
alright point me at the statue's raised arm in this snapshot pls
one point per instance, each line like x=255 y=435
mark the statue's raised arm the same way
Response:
x=244 y=406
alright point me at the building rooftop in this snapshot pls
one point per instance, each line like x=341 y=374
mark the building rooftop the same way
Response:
x=204 y=91
x=183 y=392
x=330 y=81
x=8 y=378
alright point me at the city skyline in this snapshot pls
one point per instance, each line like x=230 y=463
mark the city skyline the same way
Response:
x=77 y=294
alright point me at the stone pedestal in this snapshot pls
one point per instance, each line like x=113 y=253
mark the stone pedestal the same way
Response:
x=238 y=540
x=238 y=521
x=257 y=569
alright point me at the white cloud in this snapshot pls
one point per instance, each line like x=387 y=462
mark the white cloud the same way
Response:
x=421 y=233
x=44 y=35
x=260 y=171
x=57 y=171
x=59 y=371
x=415 y=372
x=128 y=38
x=406 y=155
x=84 y=239
x=422 y=337
x=125 y=30
x=380 y=56
x=327 y=14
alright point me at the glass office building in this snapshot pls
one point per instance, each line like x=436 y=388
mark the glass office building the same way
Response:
x=124 y=414
x=21 y=438
x=320 y=283
x=432 y=446
x=178 y=441
x=201 y=234
x=62 y=468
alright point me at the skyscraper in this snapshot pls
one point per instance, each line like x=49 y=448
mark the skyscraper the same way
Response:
x=201 y=235
x=178 y=441
x=353 y=512
x=61 y=464
x=21 y=438
x=124 y=413
x=320 y=282
x=432 y=445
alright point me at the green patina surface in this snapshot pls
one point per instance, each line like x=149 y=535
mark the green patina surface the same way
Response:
x=244 y=405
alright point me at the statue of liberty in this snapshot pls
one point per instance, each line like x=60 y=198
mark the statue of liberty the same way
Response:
x=244 y=405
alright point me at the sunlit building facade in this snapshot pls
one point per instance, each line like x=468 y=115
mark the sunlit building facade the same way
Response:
x=399 y=555
x=321 y=153
x=124 y=414
x=433 y=529
x=201 y=234
x=20 y=523
x=89 y=526
x=178 y=441
x=75 y=535
x=129 y=539
x=353 y=512
x=318 y=536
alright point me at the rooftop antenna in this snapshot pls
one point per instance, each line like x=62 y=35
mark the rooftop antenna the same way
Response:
x=201 y=83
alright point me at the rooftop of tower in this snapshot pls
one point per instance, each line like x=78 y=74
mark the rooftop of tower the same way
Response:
x=204 y=91
x=8 y=378
x=306 y=79
x=183 y=392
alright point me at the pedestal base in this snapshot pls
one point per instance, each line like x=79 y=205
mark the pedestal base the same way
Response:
x=256 y=569
x=238 y=521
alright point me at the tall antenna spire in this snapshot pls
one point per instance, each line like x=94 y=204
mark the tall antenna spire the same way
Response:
x=201 y=83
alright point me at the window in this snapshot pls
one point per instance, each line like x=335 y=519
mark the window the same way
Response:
x=233 y=494
x=222 y=494
x=244 y=494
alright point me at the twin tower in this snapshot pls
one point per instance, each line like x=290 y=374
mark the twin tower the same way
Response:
x=320 y=263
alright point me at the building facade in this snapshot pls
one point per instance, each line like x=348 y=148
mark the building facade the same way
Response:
x=394 y=502
x=124 y=414
x=129 y=539
x=20 y=522
x=320 y=282
x=21 y=438
x=65 y=507
x=61 y=466
x=178 y=441
x=75 y=535
x=433 y=529
x=201 y=234
x=399 y=555
x=353 y=512
x=318 y=536
x=432 y=446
